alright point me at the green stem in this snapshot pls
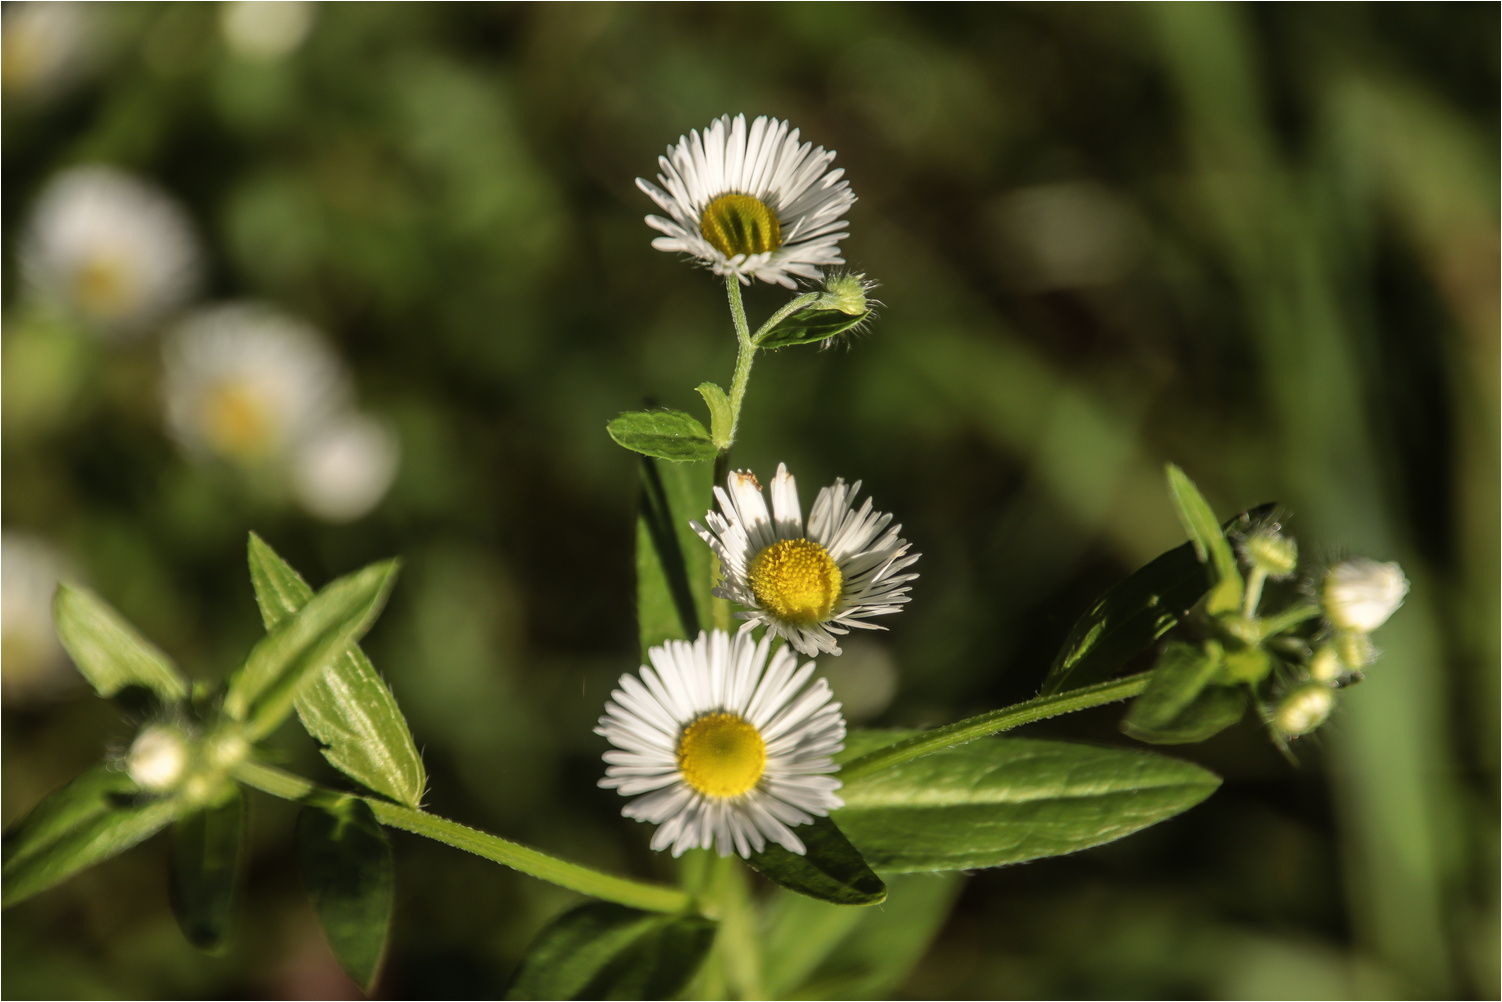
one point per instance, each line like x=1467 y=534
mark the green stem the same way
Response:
x=651 y=897
x=1254 y=582
x=744 y=355
x=1293 y=616
x=993 y=723
x=793 y=306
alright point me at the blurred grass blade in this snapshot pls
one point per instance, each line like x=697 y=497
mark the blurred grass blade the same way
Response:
x=263 y=690
x=810 y=326
x=607 y=951
x=664 y=434
x=1008 y=800
x=831 y=869
x=347 y=868
x=1209 y=539
x=815 y=950
x=347 y=707
x=1212 y=711
x=108 y=650
x=674 y=569
x=1126 y=620
x=96 y=816
x=205 y=870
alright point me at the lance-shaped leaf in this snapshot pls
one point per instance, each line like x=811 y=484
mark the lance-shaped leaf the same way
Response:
x=1210 y=543
x=831 y=869
x=674 y=569
x=99 y=814
x=1006 y=800
x=347 y=706
x=206 y=869
x=347 y=868
x=108 y=650
x=607 y=951
x=1133 y=614
x=1211 y=711
x=1182 y=673
x=664 y=434
x=809 y=326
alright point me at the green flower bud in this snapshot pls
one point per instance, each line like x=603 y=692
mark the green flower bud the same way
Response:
x=1249 y=665
x=158 y=758
x=1326 y=666
x=1356 y=650
x=1303 y=709
x=1271 y=552
x=846 y=291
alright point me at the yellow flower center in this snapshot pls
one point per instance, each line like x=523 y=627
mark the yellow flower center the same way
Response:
x=739 y=224
x=721 y=755
x=236 y=421
x=102 y=286
x=796 y=580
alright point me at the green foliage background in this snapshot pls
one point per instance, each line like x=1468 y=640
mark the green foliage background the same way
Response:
x=1279 y=270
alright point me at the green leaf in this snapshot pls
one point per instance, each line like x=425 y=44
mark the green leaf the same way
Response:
x=876 y=954
x=664 y=434
x=346 y=866
x=99 y=814
x=108 y=650
x=1133 y=614
x=1182 y=673
x=607 y=951
x=674 y=569
x=205 y=870
x=810 y=325
x=1006 y=800
x=1212 y=711
x=831 y=869
x=1210 y=543
x=262 y=691
x=347 y=707
x=721 y=418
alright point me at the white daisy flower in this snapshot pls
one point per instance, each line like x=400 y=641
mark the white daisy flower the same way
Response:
x=721 y=748
x=344 y=470
x=809 y=585
x=44 y=47
x=110 y=248
x=246 y=383
x=753 y=203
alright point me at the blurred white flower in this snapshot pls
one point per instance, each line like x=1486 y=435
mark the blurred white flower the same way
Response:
x=1360 y=593
x=111 y=249
x=246 y=383
x=32 y=660
x=158 y=758
x=263 y=30
x=44 y=47
x=345 y=469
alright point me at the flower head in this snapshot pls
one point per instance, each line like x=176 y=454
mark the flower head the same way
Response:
x=1360 y=594
x=806 y=585
x=110 y=249
x=751 y=202
x=721 y=747
x=344 y=469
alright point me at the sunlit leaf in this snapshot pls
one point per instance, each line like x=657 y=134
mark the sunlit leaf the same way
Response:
x=831 y=869
x=720 y=414
x=108 y=650
x=674 y=569
x=346 y=866
x=347 y=707
x=205 y=870
x=607 y=951
x=1209 y=539
x=664 y=434
x=1005 y=800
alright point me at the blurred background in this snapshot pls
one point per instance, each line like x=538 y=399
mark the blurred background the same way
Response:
x=369 y=279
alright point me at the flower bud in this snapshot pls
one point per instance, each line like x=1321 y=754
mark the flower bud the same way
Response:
x=158 y=758
x=1303 y=709
x=1326 y=666
x=845 y=291
x=1356 y=650
x=1360 y=594
x=1271 y=552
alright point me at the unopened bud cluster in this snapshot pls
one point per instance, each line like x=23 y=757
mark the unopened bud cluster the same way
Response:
x=167 y=759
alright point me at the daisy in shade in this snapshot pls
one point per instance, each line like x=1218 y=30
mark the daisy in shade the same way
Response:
x=109 y=248
x=721 y=747
x=751 y=202
x=807 y=585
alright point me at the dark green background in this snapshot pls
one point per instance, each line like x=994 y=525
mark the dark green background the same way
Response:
x=1301 y=305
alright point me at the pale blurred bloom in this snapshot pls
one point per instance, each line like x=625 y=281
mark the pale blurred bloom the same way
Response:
x=44 y=47
x=1304 y=709
x=246 y=383
x=110 y=249
x=1360 y=594
x=32 y=661
x=344 y=470
x=262 y=31
x=158 y=758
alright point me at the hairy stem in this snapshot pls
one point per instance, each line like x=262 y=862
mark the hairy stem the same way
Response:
x=650 y=897
x=1274 y=625
x=744 y=355
x=793 y=306
x=994 y=723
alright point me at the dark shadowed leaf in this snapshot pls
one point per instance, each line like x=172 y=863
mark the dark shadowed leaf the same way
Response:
x=831 y=870
x=108 y=650
x=1213 y=710
x=347 y=869
x=674 y=569
x=810 y=326
x=665 y=434
x=205 y=869
x=607 y=951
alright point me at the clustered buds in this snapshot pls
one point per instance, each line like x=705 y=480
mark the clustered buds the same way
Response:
x=166 y=759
